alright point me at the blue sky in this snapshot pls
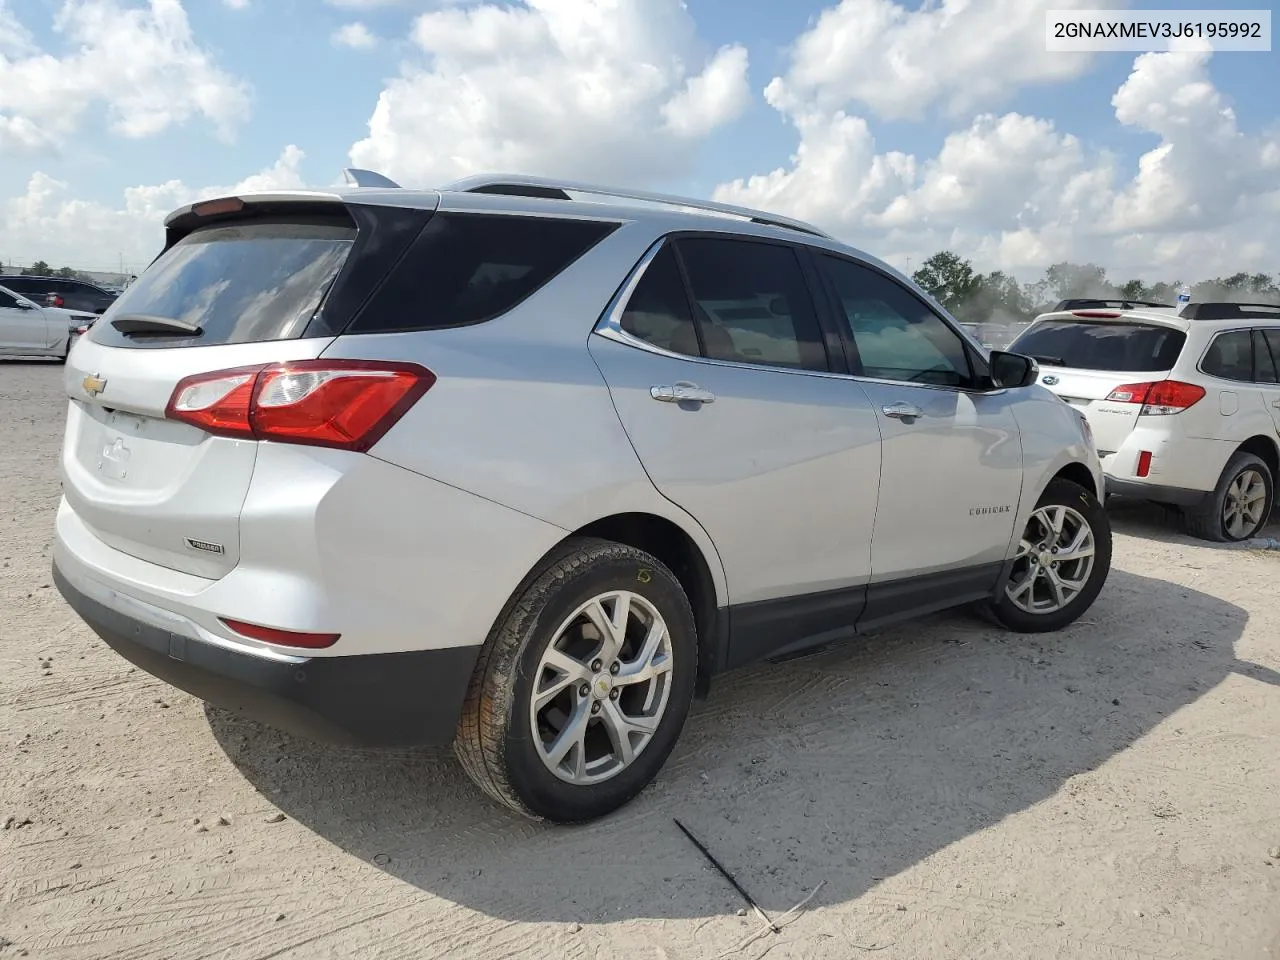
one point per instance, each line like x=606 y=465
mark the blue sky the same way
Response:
x=310 y=92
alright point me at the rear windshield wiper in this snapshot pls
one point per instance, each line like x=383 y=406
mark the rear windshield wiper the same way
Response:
x=1052 y=361
x=147 y=323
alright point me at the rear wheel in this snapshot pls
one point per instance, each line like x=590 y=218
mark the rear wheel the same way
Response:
x=583 y=686
x=1063 y=558
x=1239 y=506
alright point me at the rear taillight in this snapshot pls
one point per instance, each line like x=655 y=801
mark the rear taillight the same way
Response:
x=282 y=638
x=1158 y=399
x=348 y=404
x=53 y=300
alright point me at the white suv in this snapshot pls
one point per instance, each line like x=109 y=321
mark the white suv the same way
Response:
x=507 y=467
x=1184 y=403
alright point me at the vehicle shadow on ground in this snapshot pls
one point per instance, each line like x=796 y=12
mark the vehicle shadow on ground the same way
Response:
x=846 y=767
x=1163 y=524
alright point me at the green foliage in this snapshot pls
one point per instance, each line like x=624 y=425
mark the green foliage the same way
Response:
x=973 y=297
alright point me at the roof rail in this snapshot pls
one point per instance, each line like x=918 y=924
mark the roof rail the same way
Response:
x=1218 y=310
x=367 y=178
x=525 y=186
x=1089 y=303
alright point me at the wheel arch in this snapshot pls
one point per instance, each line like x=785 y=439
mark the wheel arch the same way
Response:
x=1265 y=449
x=1079 y=474
x=681 y=553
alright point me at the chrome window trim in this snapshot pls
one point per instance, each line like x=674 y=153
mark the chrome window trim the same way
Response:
x=609 y=326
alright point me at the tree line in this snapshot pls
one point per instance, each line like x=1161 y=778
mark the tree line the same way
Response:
x=42 y=269
x=996 y=297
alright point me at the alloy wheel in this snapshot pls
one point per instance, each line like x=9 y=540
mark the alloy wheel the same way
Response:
x=601 y=687
x=1245 y=505
x=1054 y=560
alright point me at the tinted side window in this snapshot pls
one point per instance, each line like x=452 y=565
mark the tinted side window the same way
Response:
x=7 y=301
x=752 y=303
x=897 y=336
x=1265 y=367
x=658 y=311
x=468 y=268
x=1272 y=339
x=1230 y=356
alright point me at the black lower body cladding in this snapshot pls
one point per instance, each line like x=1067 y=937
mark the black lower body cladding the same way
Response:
x=386 y=699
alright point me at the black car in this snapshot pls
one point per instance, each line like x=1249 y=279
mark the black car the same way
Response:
x=59 y=292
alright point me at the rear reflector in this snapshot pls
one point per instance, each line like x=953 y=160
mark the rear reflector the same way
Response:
x=1158 y=399
x=347 y=404
x=282 y=638
x=1144 y=463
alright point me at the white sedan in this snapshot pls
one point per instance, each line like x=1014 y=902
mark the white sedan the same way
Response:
x=30 y=330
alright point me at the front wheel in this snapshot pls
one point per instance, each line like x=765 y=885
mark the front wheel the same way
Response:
x=1062 y=562
x=583 y=686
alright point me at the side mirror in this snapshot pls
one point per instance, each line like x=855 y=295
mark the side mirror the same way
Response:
x=26 y=305
x=1012 y=369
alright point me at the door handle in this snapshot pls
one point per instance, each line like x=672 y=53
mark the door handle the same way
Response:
x=902 y=411
x=682 y=393
x=1275 y=403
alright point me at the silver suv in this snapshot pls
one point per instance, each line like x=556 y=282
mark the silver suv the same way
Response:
x=522 y=465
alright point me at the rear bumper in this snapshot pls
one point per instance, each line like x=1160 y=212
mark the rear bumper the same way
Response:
x=370 y=700
x=1137 y=490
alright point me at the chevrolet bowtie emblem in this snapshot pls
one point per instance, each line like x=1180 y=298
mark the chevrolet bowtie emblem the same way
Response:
x=93 y=384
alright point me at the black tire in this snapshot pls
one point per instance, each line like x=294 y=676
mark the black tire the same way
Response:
x=1008 y=614
x=495 y=738
x=1208 y=521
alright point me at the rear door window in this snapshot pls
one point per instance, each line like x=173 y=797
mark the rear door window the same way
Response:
x=469 y=268
x=1110 y=346
x=1230 y=356
x=238 y=283
x=752 y=303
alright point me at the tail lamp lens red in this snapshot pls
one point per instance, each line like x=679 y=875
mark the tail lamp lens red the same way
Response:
x=282 y=638
x=1158 y=398
x=347 y=404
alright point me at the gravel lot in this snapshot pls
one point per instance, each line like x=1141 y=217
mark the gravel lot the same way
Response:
x=1111 y=791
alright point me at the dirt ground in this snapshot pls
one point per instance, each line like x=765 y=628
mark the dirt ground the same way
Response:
x=1112 y=791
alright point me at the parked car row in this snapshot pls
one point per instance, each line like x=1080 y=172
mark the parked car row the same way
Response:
x=522 y=465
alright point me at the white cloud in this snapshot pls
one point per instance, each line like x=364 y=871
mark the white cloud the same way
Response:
x=898 y=62
x=590 y=89
x=236 y=4
x=354 y=35
x=45 y=224
x=141 y=63
x=1016 y=193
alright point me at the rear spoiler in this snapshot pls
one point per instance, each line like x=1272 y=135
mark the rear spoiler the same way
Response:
x=1095 y=304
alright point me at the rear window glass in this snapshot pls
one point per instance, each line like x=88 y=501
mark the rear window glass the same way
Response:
x=468 y=268
x=1102 y=346
x=239 y=283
